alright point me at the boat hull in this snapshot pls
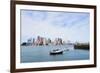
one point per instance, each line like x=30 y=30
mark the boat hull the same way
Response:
x=55 y=53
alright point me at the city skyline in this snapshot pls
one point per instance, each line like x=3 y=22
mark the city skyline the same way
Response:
x=73 y=26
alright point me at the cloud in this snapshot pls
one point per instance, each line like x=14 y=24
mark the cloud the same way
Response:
x=66 y=25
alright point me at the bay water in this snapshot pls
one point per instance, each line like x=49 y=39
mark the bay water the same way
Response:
x=42 y=54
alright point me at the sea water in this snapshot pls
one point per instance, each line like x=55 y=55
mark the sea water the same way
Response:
x=42 y=54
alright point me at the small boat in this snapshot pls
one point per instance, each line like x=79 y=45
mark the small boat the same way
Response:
x=56 y=51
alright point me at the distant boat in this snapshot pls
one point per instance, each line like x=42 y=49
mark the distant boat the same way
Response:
x=56 y=51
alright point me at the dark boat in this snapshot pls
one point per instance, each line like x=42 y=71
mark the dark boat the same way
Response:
x=56 y=51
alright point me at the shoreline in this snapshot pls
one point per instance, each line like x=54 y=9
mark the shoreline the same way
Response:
x=82 y=46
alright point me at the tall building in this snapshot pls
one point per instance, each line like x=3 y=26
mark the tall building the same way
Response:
x=29 y=41
x=58 y=41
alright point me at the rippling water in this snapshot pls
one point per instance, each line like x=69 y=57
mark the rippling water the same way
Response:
x=42 y=54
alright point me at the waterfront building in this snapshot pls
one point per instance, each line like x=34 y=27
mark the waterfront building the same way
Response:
x=58 y=41
x=47 y=41
x=33 y=42
x=29 y=41
x=39 y=40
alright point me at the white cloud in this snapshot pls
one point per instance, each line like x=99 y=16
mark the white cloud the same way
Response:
x=47 y=28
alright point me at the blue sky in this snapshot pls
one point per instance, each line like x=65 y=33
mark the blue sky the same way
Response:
x=73 y=26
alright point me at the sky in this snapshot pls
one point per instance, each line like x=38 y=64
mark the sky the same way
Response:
x=73 y=26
